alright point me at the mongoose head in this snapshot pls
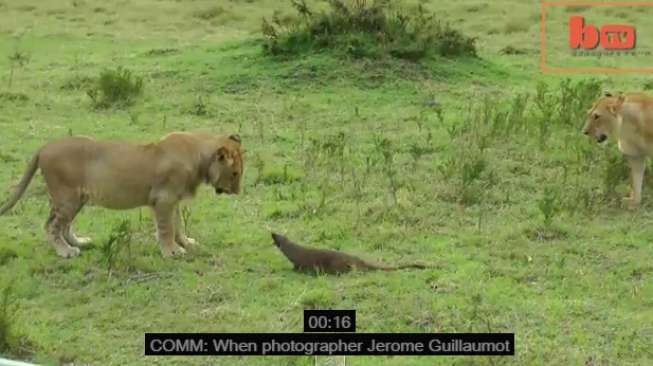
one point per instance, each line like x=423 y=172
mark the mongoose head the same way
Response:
x=279 y=239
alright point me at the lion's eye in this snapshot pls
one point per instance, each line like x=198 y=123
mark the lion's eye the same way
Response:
x=235 y=174
x=596 y=116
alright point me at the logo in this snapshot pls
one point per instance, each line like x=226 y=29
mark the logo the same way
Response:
x=610 y=37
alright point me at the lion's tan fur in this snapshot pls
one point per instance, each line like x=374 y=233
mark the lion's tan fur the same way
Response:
x=120 y=175
x=629 y=119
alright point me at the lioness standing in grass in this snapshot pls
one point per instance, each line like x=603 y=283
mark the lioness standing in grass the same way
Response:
x=120 y=175
x=629 y=118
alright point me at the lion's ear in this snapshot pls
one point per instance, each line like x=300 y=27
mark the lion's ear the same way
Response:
x=222 y=153
x=235 y=137
x=615 y=107
x=621 y=100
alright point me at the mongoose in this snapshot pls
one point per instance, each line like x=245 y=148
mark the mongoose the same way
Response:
x=327 y=261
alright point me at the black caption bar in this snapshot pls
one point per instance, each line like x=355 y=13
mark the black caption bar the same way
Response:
x=302 y=344
x=329 y=320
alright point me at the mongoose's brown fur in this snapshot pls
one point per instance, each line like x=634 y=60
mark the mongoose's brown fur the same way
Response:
x=327 y=261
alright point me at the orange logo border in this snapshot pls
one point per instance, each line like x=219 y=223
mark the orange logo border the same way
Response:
x=584 y=70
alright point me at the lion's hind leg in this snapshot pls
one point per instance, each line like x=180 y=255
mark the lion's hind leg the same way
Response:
x=65 y=201
x=56 y=226
x=69 y=234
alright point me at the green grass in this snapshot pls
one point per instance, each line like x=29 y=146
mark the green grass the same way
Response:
x=520 y=220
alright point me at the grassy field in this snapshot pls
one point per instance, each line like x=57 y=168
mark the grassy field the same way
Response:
x=476 y=166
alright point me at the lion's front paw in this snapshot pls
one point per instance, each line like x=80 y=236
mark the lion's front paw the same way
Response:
x=174 y=250
x=187 y=242
x=67 y=251
x=630 y=203
x=82 y=241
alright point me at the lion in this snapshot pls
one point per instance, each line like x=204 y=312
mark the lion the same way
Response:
x=120 y=175
x=629 y=119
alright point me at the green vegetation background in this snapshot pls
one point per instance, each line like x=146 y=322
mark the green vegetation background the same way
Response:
x=475 y=165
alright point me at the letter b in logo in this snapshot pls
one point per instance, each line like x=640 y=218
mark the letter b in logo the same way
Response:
x=611 y=37
x=581 y=36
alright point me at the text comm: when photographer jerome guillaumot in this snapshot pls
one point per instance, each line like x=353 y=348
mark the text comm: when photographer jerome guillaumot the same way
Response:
x=435 y=346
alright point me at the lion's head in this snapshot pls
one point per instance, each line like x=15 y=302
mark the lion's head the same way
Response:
x=226 y=169
x=602 y=118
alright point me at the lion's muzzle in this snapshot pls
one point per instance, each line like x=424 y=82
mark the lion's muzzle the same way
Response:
x=219 y=190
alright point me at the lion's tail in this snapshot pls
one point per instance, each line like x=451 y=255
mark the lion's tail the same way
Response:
x=22 y=186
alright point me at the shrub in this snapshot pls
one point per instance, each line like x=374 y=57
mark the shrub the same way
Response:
x=209 y=13
x=568 y=103
x=648 y=85
x=78 y=82
x=516 y=26
x=278 y=175
x=119 y=239
x=7 y=255
x=576 y=98
x=199 y=108
x=476 y=178
x=7 y=309
x=116 y=88
x=564 y=105
x=577 y=8
x=317 y=298
x=511 y=50
x=615 y=172
x=548 y=205
x=471 y=173
x=13 y=97
x=384 y=147
x=17 y=60
x=363 y=29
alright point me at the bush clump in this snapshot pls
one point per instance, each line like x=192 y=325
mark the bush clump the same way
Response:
x=365 y=29
x=116 y=88
x=7 y=310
